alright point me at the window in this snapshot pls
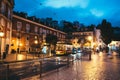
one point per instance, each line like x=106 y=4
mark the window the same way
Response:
x=27 y=28
x=9 y=13
x=90 y=34
x=44 y=31
x=35 y=37
x=50 y=32
x=47 y=31
x=27 y=38
x=3 y=7
x=8 y=25
x=2 y=22
x=54 y=33
x=36 y=29
x=19 y=25
x=40 y=31
x=57 y=34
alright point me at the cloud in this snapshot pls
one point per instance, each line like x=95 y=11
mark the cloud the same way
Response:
x=81 y=10
x=96 y=12
x=66 y=3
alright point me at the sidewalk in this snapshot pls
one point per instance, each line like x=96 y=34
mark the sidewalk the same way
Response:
x=17 y=57
x=22 y=56
x=99 y=68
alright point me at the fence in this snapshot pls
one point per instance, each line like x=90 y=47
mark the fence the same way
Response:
x=21 y=69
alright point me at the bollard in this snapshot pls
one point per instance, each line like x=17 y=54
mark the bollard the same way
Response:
x=40 y=69
x=89 y=55
x=67 y=61
x=7 y=75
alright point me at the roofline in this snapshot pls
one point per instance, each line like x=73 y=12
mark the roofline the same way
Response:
x=15 y=16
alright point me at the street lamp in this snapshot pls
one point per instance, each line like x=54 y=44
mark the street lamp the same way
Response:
x=36 y=42
x=1 y=36
x=90 y=39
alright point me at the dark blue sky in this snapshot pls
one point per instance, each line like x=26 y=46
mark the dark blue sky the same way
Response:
x=84 y=11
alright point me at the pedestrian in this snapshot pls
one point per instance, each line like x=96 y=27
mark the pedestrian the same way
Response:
x=4 y=55
x=118 y=51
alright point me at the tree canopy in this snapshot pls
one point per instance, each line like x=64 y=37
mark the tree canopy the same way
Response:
x=51 y=39
x=106 y=31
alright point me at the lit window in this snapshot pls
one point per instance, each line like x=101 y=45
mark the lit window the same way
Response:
x=35 y=37
x=2 y=22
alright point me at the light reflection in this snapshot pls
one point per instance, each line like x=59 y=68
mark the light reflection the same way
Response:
x=20 y=57
x=94 y=57
x=100 y=53
x=58 y=60
x=95 y=67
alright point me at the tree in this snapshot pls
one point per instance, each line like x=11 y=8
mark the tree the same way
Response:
x=52 y=40
x=68 y=27
x=106 y=31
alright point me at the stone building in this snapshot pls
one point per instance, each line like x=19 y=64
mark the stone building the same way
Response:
x=27 y=33
x=6 y=8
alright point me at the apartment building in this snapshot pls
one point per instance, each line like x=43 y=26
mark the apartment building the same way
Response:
x=6 y=7
x=26 y=33
x=89 y=37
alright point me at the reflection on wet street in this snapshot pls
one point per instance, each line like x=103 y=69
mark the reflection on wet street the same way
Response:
x=101 y=67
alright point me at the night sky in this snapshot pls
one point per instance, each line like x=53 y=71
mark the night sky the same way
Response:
x=85 y=11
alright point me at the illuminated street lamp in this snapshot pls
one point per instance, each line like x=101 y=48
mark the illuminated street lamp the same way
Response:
x=36 y=42
x=1 y=36
x=89 y=38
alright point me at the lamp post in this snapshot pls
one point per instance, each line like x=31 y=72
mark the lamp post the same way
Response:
x=1 y=36
x=90 y=39
x=36 y=42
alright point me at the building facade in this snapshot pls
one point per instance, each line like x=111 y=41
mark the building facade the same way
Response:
x=83 y=37
x=27 y=33
x=6 y=7
x=90 y=38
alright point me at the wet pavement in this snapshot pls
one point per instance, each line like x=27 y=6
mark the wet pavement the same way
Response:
x=23 y=56
x=101 y=67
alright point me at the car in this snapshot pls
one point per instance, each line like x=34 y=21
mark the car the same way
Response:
x=74 y=51
x=79 y=50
